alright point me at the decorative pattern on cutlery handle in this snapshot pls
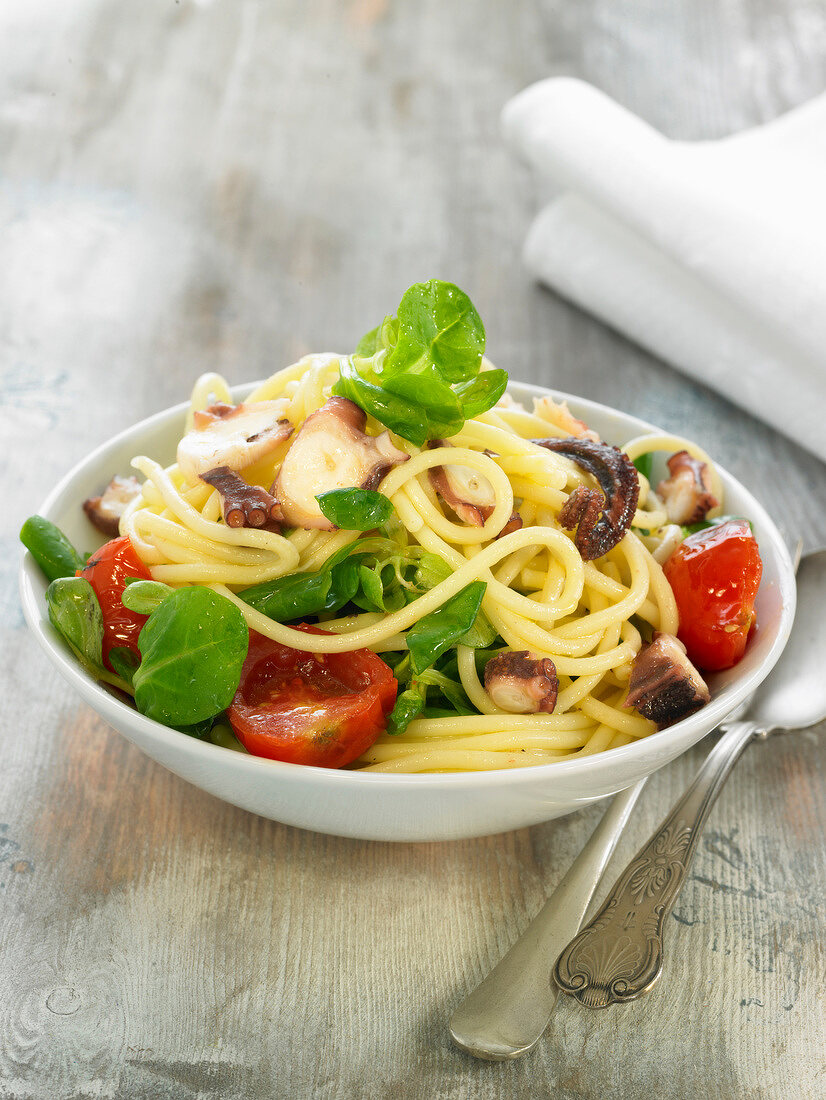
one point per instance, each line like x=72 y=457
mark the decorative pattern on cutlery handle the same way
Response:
x=618 y=956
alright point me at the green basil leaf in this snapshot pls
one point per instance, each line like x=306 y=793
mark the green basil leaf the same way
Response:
x=704 y=524
x=143 y=596
x=481 y=634
x=451 y=689
x=345 y=583
x=50 y=548
x=75 y=613
x=431 y=570
x=372 y=588
x=193 y=648
x=369 y=344
x=124 y=661
x=300 y=595
x=404 y=371
x=292 y=597
x=223 y=734
x=431 y=636
x=437 y=324
x=200 y=730
x=408 y=705
x=396 y=658
x=645 y=464
x=384 y=335
x=433 y=396
x=482 y=392
x=355 y=509
x=396 y=595
x=397 y=414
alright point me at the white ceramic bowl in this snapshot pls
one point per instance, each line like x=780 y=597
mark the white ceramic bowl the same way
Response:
x=405 y=807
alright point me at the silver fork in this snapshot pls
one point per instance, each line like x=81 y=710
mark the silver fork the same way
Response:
x=506 y=1015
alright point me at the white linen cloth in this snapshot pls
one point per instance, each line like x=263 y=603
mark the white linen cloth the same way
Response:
x=710 y=254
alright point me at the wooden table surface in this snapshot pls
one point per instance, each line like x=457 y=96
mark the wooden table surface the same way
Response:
x=225 y=184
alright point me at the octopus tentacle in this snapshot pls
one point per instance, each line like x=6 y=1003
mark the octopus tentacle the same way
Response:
x=243 y=505
x=600 y=524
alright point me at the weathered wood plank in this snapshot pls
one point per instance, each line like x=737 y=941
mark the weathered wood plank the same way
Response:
x=218 y=185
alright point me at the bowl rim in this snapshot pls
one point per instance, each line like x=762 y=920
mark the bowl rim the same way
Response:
x=118 y=713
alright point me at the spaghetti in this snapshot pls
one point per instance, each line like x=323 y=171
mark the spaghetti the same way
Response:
x=588 y=617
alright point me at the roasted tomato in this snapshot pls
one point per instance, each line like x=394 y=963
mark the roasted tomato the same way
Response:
x=107 y=571
x=715 y=575
x=311 y=708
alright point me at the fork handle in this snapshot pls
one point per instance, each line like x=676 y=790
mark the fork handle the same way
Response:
x=506 y=1015
x=618 y=956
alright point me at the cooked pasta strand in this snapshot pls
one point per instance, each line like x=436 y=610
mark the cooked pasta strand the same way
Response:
x=540 y=596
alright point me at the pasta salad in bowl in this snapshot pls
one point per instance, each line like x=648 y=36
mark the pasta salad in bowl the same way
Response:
x=390 y=595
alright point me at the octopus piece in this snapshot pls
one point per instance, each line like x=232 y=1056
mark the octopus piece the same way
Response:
x=331 y=451
x=601 y=519
x=243 y=505
x=670 y=538
x=105 y=511
x=507 y=402
x=468 y=493
x=234 y=436
x=514 y=524
x=521 y=684
x=664 y=685
x=687 y=493
x=558 y=414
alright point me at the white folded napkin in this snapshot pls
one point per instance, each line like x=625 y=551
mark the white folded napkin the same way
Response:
x=711 y=254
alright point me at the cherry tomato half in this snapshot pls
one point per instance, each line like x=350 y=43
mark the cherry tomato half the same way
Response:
x=107 y=570
x=311 y=708
x=715 y=575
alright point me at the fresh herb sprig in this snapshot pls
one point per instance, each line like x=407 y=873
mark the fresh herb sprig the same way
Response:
x=379 y=573
x=192 y=646
x=418 y=373
x=355 y=509
x=192 y=650
x=50 y=548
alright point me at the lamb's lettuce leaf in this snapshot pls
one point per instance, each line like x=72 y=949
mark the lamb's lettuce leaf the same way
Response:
x=431 y=636
x=419 y=372
x=355 y=509
x=192 y=650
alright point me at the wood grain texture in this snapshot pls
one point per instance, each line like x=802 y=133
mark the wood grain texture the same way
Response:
x=225 y=184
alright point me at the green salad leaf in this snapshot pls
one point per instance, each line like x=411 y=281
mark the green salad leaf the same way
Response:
x=438 y=330
x=355 y=509
x=50 y=548
x=372 y=588
x=482 y=392
x=192 y=648
x=431 y=636
x=448 y=686
x=202 y=730
x=434 y=693
x=379 y=573
x=361 y=384
x=124 y=661
x=419 y=372
x=481 y=635
x=431 y=570
x=299 y=595
x=223 y=734
x=409 y=704
x=75 y=613
x=143 y=596
x=704 y=524
x=645 y=464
